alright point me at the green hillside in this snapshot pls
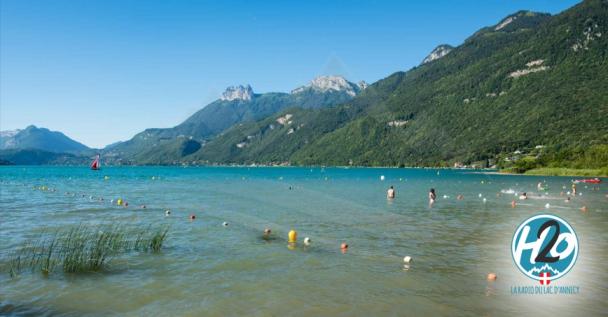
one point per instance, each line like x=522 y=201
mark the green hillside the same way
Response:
x=537 y=85
x=158 y=146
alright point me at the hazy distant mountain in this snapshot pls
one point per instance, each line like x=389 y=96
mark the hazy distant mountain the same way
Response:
x=36 y=138
x=41 y=157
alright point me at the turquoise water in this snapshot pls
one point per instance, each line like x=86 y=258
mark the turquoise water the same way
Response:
x=208 y=269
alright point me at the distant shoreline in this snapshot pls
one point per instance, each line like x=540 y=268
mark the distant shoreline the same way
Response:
x=557 y=171
x=553 y=171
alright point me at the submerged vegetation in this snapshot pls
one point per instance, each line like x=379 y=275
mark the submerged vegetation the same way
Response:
x=558 y=171
x=84 y=248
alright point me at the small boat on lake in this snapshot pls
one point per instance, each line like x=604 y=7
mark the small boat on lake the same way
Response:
x=96 y=165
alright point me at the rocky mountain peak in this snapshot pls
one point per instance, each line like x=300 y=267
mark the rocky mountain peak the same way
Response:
x=335 y=83
x=362 y=84
x=9 y=133
x=439 y=52
x=237 y=93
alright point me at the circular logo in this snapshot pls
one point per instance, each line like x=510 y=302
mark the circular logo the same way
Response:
x=544 y=247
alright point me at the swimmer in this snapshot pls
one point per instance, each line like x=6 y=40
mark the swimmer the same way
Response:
x=523 y=196
x=584 y=209
x=573 y=189
x=432 y=196
x=539 y=186
x=460 y=197
x=567 y=200
x=390 y=193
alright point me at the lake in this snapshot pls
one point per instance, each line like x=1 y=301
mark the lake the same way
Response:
x=206 y=268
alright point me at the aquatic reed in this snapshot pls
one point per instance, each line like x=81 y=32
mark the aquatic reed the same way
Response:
x=84 y=248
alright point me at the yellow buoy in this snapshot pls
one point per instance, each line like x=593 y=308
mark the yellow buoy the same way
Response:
x=119 y=201
x=293 y=236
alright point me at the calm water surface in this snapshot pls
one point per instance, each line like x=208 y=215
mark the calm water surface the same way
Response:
x=212 y=270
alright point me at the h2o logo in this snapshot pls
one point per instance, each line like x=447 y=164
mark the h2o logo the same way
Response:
x=545 y=248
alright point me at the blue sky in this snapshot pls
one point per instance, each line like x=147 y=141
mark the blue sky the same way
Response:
x=101 y=71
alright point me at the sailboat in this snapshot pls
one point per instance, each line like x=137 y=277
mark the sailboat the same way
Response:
x=96 y=165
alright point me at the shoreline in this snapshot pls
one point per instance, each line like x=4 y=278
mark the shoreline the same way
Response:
x=544 y=171
x=556 y=171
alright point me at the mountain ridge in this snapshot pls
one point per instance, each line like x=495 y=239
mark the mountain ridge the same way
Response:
x=529 y=91
x=456 y=109
x=33 y=137
x=238 y=104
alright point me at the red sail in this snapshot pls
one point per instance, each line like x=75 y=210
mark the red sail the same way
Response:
x=95 y=164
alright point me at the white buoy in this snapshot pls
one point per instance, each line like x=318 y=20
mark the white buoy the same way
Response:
x=484 y=200
x=407 y=259
x=480 y=195
x=225 y=224
x=167 y=213
x=568 y=193
x=580 y=194
x=547 y=205
x=381 y=177
x=307 y=241
x=446 y=196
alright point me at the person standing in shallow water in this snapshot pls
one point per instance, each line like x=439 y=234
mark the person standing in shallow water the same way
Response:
x=432 y=196
x=390 y=193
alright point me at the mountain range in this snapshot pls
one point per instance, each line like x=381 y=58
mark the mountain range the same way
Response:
x=237 y=105
x=43 y=139
x=529 y=91
x=34 y=145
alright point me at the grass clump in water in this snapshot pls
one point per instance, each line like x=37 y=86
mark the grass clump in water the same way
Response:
x=84 y=248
